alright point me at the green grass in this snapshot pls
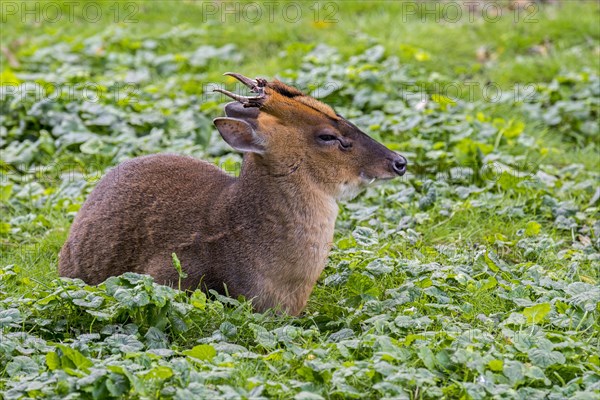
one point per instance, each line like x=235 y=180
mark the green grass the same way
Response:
x=428 y=292
x=568 y=30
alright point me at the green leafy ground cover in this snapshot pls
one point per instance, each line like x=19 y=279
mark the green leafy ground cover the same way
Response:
x=474 y=276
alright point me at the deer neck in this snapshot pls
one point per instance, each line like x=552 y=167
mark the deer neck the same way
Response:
x=286 y=199
x=293 y=224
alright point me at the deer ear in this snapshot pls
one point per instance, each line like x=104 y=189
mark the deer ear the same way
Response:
x=235 y=109
x=240 y=135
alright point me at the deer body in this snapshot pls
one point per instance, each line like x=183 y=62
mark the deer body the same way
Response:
x=265 y=234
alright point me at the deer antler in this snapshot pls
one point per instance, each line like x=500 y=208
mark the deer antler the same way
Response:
x=256 y=85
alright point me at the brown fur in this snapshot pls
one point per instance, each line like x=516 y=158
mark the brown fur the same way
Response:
x=265 y=235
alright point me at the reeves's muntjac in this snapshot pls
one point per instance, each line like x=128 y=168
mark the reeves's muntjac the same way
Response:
x=265 y=234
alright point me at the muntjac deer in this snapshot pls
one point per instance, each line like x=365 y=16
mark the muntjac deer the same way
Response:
x=265 y=234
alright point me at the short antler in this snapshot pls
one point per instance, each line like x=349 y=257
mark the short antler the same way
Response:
x=256 y=85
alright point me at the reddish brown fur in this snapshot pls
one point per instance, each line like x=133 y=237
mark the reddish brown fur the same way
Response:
x=265 y=235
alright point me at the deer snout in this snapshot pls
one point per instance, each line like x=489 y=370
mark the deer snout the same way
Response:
x=398 y=164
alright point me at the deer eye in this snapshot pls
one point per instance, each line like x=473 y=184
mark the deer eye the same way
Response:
x=327 y=138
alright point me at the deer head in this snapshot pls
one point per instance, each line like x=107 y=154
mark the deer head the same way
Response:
x=287 y=132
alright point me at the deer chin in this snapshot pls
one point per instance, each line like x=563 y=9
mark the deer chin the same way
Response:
x=349 y=190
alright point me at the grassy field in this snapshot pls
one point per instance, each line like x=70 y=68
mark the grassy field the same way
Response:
x=474 y=276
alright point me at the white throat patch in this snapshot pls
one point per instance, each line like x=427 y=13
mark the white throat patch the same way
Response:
x=348 y=191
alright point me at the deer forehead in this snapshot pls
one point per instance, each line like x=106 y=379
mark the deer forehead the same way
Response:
x=281 y=95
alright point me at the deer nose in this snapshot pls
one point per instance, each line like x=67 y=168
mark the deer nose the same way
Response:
x=399 y=164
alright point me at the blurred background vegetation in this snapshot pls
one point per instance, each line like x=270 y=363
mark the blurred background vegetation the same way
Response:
x=524 y=44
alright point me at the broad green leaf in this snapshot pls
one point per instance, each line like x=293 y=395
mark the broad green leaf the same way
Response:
x=514 y=129
x=427 y=356
x=124 y=343
x=156 y=339
x=10 y=317
x=536 y=373
x=489 y=284
x=308 y=396
x=53 y=360
x=228 y=329
x=536 y=314
x=496 y=365
x=93 y=146
x=4 y=228
x=198 y=299
x=22 y=365
x=73 y=358
x=263 y=336
x=443 y=101
x=514 y=371
x=379 y=267
x=545 y=358
x=6 y=191
x=8 y=78
x=161 y=372
x=365 y=236
x=204 y=352
x=117 y=385
x=491 y=262
x=532 y=228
